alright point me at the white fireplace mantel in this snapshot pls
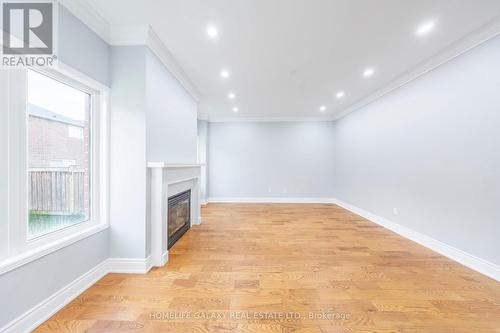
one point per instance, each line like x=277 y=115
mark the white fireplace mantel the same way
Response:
x=172 y=165
x=166 y=180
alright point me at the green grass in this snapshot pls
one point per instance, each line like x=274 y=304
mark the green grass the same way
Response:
x=40 y=223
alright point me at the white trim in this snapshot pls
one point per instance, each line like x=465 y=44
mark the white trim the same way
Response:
x=224 y=119
x=38 y=314
x=45 y=309
x=128 y=35
x=145 y=35
x=166 y=57
x=34 y=254
x=463 y=45
x=82 y=78
x=184 y=180
x=164 y=258
x=169 y=165
x=480 y=265
x=131 y=35
x=269 y=200
x=202 y=116
x=21 y=250
x=89 y=16
x=130 y=265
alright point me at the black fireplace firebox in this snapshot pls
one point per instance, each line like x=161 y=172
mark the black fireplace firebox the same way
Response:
x=179 y=216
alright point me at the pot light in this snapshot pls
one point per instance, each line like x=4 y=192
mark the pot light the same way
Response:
x=224 y=73
x=425 y=28
x=368 y=72
x=236 y=109
x=322 y=108
x=231 y=96
x=340 y=94
x=212 y=32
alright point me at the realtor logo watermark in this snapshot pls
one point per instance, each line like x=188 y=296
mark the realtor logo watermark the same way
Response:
x=29 y=33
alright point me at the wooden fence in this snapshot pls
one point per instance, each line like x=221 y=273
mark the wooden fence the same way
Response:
x=56 y=190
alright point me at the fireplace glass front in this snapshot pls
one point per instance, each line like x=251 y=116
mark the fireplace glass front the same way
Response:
x=179 y=211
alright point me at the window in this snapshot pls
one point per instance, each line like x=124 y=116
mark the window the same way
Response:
x=59 y=188
x=54 y=135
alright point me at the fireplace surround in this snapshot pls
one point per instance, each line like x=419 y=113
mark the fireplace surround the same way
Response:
x=170 y=181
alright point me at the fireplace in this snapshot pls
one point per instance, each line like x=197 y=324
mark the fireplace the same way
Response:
x=179 y=216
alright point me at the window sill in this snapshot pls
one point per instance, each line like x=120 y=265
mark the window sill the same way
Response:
x=24 y=258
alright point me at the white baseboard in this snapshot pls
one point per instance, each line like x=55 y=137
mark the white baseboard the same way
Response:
x=31 y=319
x=164 y=258
x=44 y=310
x=269 y=200
x=130 y=265
x=480 y=265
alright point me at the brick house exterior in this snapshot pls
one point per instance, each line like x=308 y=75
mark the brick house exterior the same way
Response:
x=58 y=146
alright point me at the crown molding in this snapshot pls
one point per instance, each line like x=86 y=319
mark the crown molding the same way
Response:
x=463 y=45
x=145 y=35
x=130 y=35
x=89 y=16
x=202 y=116
x=162 y=52
x=216 y=119
x=127 y=35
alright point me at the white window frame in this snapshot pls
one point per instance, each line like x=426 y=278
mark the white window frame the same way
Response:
x=15 y=247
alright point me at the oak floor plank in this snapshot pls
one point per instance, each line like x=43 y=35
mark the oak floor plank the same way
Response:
x=318 y=266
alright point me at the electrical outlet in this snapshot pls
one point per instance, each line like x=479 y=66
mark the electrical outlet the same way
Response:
x=395 y=211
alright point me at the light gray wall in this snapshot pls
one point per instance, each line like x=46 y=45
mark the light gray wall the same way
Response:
x=292 y=159
x=432 y=150
x=203 y=157
x=154 y=119
x=128 y=152
x=80 y=48
x=25 y=287
x=4 y=165
x=171 y=116
x=38 y=280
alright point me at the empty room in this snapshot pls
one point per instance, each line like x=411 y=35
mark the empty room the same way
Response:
x=254 y=166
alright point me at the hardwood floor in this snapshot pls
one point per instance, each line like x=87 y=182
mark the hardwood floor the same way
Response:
x=249 y=264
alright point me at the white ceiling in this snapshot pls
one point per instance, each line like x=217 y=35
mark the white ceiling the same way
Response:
x=288 y=57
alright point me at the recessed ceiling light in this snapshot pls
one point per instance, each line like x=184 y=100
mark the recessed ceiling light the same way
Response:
x=224 y=73
x=322 y=108
x=425 y=28
x=231 y=96
x=340 y=94
x=236 y=109
x=368 y=72
x=212 y=31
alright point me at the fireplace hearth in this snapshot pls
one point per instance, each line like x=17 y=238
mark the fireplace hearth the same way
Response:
x=179 y=216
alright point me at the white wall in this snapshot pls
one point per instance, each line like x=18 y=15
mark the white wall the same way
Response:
x=171 y=116
x=271 y=160
x=432 y=150
x=153 y=119
x=26 y=286
x=128 y=152
x=203 y=157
